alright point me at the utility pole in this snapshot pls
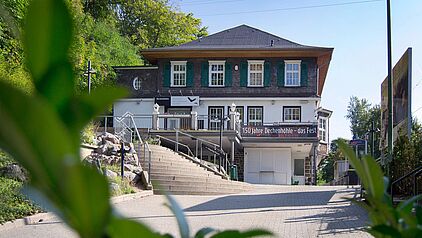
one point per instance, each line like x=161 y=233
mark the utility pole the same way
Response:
x=390 y=90
x=88 y=73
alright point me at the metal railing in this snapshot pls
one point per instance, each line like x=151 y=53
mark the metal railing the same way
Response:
x=223 y=164
x=414 y=174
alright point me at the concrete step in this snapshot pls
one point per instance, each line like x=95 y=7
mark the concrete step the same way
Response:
x=196 y=183
x=199 y=190
x=183 y=177
x=180 y=171
x=170 y=162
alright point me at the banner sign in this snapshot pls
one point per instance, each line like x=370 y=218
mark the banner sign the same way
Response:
x=402 y=100
x=282 y=131
x=185 y=101
x=357 y=142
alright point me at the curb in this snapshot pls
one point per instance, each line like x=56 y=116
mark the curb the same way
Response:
x=127 y=197
x=29 y=220
x=40 y=217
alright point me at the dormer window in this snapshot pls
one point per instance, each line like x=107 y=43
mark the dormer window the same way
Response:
x=255 y=73
x=292 y=73
x=178 y=73
x=216 y=73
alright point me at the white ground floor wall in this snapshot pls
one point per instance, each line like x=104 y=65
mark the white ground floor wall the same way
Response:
x=271 y=166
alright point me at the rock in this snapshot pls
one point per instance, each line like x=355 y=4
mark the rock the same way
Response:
x=111 y=138
x=110 y=174
x=137 y=170
x=137 y=179
x=14 y=171
x=129 y=176
x=114 y=188
x=129 y=167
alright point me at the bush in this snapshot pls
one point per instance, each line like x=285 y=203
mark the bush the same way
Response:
x=13 y=204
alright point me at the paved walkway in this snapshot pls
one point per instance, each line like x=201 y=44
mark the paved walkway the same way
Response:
x=288 y=211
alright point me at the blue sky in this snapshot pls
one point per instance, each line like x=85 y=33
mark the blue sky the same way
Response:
x=356 y=31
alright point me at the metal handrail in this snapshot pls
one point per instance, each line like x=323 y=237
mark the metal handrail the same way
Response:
x=220 y=152
x=190 y=154
x=146 y=147
x=413 y=173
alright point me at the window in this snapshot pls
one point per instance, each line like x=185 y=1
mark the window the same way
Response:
x=215 y=114
x=299 y=167
x=292 y=77
x=256 y=73
x=178 y=73
x=136 y=83
x=255 y=115
x=322 y=129
x=216 y=74
x=291 y=114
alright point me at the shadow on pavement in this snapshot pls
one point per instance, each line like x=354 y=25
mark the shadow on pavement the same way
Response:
x=233 y=202
x=337 y=219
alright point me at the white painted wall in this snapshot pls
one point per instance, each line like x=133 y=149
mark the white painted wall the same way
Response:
x=273 y=109
x=141 y=109
x=268 y=166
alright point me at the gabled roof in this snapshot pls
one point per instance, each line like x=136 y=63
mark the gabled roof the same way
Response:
x=239 y=37
x=244 y=42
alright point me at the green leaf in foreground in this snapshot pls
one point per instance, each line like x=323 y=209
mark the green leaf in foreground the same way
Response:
x=239 y=234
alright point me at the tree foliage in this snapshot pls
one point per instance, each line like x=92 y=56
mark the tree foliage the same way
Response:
x=154 y=23
x=361 y=114
x=407 y=156
x=108 y=33
x=78 y=193
x=326 y=167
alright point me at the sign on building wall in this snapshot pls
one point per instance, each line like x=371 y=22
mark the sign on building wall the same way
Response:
x=282 y=131
x=184 y=101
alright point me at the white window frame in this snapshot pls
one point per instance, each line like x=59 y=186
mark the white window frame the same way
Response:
x=254 y=121
x=136 y=83
x=286 y=62
x=210 y=72
x=215 y=118
x=172 y=72
x=322 y=128
x=286 y=108
x=250 y=62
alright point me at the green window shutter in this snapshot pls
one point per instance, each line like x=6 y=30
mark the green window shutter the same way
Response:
x=267 y=74
x=280 y=74
x=189 y=74
x=304 y=75
x=228 y=75
x=166 y=75
x=204 y=74
x=243 y=74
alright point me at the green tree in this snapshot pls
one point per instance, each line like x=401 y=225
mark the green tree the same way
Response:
x=361 y=114
x=325 y=171
x=154 y=23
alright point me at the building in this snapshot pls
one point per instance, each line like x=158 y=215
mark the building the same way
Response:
x=264 y=91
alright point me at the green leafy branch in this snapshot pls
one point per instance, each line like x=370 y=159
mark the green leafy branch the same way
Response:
x=42 y=132
x=405 y=220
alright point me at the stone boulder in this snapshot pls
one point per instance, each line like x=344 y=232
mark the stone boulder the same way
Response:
x=14 y=171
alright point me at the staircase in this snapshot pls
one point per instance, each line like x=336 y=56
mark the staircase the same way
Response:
x=175 y=174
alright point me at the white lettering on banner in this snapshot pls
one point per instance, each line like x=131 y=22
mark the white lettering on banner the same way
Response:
x=280 y=131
